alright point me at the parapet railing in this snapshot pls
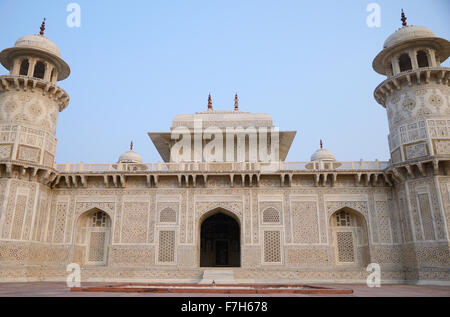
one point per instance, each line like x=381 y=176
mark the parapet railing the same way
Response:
x=223 y=167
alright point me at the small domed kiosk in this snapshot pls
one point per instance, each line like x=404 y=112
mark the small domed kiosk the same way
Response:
x=130 y=157
x=131 y=161
x=323 y=159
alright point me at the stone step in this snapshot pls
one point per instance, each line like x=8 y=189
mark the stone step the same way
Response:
x=219 y=276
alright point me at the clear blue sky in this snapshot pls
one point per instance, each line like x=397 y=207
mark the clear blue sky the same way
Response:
x=137 y=64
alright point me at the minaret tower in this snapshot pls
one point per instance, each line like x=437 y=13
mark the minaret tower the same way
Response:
x=416 y=95
x=30 y=102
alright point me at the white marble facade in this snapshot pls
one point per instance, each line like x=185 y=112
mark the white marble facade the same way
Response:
x=323 y=220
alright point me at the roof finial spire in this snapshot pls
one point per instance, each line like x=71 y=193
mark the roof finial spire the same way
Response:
x=321 y=144
x=131 y=146
x=210 y=106
x=404 y=19
x=236 y=102
x=42 y=27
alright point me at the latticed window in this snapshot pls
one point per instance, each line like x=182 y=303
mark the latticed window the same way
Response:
x=272 y=246
x=99 y=219
x=166 y=246
x=271 y=215
x=97 y=242
x=344 y=219
x=168 y=215
x=345 y=248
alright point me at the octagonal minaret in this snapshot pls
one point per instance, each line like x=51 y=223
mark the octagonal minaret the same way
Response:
x=415 y=93
x=416 y=96
x=30 y=100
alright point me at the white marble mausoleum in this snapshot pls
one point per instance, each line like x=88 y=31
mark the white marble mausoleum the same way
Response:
x=319 y=221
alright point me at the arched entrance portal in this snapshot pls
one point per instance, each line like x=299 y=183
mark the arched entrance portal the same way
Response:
x=220 y=243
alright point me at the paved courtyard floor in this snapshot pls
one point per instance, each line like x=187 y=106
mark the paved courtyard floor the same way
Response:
x=59 y=289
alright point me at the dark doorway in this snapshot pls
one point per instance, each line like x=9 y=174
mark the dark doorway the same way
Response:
x=220 y=242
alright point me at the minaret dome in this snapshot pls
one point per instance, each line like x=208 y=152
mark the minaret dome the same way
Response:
x=35 y=56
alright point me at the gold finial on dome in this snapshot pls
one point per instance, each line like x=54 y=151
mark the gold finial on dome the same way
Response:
x=42 y=27
x=321 y=144
x=210 y=107
x=404 y=19
x=131 y=146
x=236 y=102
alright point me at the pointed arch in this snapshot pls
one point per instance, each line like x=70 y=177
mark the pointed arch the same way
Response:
x=349 y=241
x=92 y=237
x=226 y=207
x=355 y=208
x=358 y=216
x=219 y=239
x=217 y=210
